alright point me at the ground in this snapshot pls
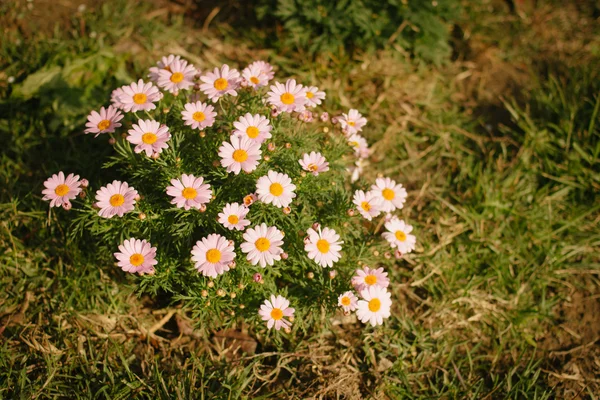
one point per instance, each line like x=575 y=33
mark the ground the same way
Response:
x=498 y=149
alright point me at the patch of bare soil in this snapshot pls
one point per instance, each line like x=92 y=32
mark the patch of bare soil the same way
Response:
x=572 y=346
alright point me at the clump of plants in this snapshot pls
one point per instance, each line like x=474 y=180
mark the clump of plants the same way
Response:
x=236 y=198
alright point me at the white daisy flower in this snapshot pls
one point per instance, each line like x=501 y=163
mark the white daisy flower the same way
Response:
x=323 y=246
x=275 y=188
x=368 y=204
x=398 y=235
x=241 y=154
x=314 y=163
x=234 y=216
x=392 y=195
x=348 y=301
x=367 y=277
x=255 y=76
x=352 y=122
x=289 y=97
x=263 y=245
x=254 y=127
x=314 y=97
x=375 y=305
x=212 y=255
x=359 y=145
x=274 y=310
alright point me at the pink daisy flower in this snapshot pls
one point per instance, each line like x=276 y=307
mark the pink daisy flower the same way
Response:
x=265 y=67
x=107 y=120
x=213 y=255
x=262 y=245
x=352 y=122
x=234 y=216
x=199 y=115
x=323 y=246
x=368 y=277
x=289 y=97
x=392 y=195
x=368 y=204
x=375 y=305
x=180 y=76
x=254 y=127
x=220 y=82
x=241 y=154
x=275 y=188
x=163 y=64
x=149 y=136
x=136 y=255
x=274 y=310
x=116 y=198
x=348 y=301
x=189 y=192
x=314 y=97
x=254 y=76
x=115 y=96
x=314 y=163
x=59 y=190
x=360 y=145
x=398 y=235
x=139 y=96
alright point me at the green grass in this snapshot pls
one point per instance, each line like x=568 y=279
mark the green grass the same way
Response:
x=506 y=215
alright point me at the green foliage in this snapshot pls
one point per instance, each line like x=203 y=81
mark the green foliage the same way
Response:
x=419 y=27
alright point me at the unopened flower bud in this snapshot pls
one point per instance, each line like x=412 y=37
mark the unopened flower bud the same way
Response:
x=271 y=146
x=202 y=134
x=316 y=226
x=204 y=293
x=216 y=163
x=242 y=306
x=208 y=303
x=306 y=240
x=376 y=253
x=96 y=206
x=220 y=292
x=210 y=284
x=325 y=129
x=84 y=183
x=155 y=156
x=350 y=212
x=346 y=313
x=332 y=274
x=142 y=216
x=244 y=83
x=123 y=135
x=398 y=254
x=232 y=295
x=274 y=112
x=137 y=197
x=303 y=174
x=334 y=120
x=324 y=116
x=232 y=265
x=67 y=205
x=287 y=210
x=266 y=157
x=112 y=141
x=241 y=286
x=178 y=160
x=257 y=277
x=202 y=208
x=287 y=330
x=387 y=255
x=232 y=313
x=284 y=255
x=319 y=204
x=291 y=318
x=82 y=194
x=249 y=199
x=288 y=145
x=310 y=275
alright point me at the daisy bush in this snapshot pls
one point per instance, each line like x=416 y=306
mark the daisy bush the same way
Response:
x=240 y=198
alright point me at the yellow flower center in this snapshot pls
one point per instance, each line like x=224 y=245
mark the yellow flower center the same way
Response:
x=323 y=246
x=276 y=189
x=388 y=194
x=252 y=132
x=240 y=155
x=346 y=301
x=351 y=123
x=401 y=236
x=287 y=98
x=116 y=200
x=233 y=219
x=309 y=95
x=312 y=167
x=139 y=98
x=136 y=259
x=365 y=205
x=370 y=280
x=353 y=144
x=254 y=80
x=276 y=314
x=198 y=116
x=177 y=77
x=213 y=256
x=61 y=190
x=104 y=124
x=374 y=305
x=149 y=138
x=189 y=193
x=262 y=244
x=221 y=84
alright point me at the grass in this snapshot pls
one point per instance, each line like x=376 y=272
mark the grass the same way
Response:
x=498 y=301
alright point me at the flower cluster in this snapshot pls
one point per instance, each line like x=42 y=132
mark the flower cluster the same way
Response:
x=236 y=189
